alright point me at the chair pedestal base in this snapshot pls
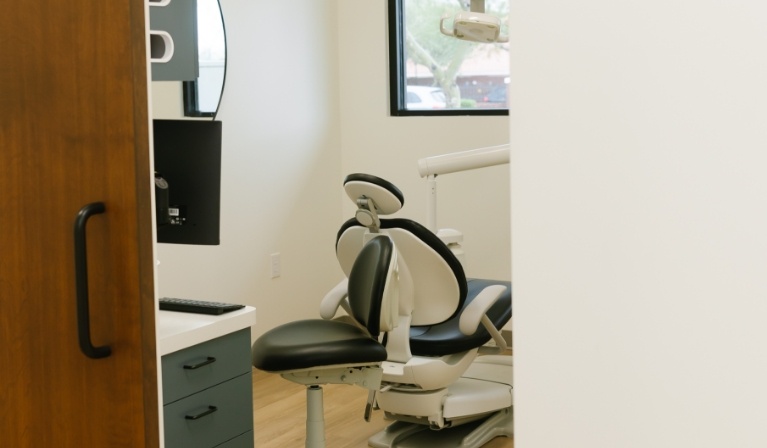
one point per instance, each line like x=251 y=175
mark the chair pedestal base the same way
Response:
x=469 y=435
x=315 y=418
x=367 y=376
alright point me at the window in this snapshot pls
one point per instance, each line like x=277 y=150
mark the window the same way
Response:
x=434 y=74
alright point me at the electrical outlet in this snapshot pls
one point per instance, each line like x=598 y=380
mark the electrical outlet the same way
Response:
x=275 y=267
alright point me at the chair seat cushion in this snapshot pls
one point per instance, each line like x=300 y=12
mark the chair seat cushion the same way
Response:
x=313 y=343
x=446 y=338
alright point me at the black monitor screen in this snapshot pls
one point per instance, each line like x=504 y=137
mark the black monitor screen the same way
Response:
x=187 y=163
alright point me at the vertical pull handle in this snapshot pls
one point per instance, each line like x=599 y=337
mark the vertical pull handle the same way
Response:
x=81 y=282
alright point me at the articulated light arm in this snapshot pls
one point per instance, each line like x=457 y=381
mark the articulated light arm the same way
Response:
x=431 y=167
x=463 y=160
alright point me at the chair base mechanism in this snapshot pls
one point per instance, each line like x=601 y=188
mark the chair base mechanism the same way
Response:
x=467 y=414
x=368 y=377
x=470 y=435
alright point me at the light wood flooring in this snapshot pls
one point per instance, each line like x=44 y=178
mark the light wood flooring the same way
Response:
x=280 y=415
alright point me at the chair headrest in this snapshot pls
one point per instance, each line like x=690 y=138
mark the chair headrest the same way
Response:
x=388 y=198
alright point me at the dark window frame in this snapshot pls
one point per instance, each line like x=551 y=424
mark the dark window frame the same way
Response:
x=397 y=76
x=191 y=102
x=190 y=88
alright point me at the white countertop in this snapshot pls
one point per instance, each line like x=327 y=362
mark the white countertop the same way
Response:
x=176 y=331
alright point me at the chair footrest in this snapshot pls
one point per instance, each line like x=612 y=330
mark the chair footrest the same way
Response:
x=469 y=397
x=463 y=400
x=471 y=435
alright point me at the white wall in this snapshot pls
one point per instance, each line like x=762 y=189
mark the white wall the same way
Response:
x=306 y=104
x=639 y=223
x=281 y=166
x=477 y=203
x=167 y=100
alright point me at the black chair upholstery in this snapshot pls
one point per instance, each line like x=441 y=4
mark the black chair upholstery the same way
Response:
x=382 y=183
x=428 y=237
x=316 y=343
x=306 y=344
x=445 y=337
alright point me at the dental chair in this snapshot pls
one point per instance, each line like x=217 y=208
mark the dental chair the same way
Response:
x=414 y=336
x=434 y=385
x=316 y=352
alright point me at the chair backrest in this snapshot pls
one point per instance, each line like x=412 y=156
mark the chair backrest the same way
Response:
x=372 y=289
x=438 y=279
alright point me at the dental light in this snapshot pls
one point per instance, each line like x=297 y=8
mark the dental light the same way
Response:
x=474 y=25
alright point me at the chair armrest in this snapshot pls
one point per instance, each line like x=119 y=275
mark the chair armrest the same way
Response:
x=476 y=314
x=333 y=299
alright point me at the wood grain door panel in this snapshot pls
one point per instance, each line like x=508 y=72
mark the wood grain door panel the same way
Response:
x=74 y=130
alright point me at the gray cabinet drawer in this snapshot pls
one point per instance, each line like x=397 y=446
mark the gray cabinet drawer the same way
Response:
x=199 y=367
x=211 y=417
x=244 y=441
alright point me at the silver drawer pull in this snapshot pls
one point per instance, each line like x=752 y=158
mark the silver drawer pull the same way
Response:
x=210 y=360
x=210 y=410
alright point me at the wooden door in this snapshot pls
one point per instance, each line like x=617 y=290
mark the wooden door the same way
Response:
x=74 y=131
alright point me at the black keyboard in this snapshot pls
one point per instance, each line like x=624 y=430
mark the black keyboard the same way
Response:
x=197 y=306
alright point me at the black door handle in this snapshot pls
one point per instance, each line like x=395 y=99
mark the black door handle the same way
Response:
x=81 y=283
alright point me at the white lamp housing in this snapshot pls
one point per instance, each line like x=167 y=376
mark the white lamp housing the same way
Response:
x=475 y=27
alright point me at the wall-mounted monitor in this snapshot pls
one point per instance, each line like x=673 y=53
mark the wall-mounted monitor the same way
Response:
x=187 y=163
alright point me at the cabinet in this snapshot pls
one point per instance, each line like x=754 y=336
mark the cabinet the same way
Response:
x=176 y=20
x=206 y=381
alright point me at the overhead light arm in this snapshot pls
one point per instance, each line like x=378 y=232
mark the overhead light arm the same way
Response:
x=477 y=6
x=431 y=167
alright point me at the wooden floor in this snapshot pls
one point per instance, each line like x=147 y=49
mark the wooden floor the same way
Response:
x=280 y=415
